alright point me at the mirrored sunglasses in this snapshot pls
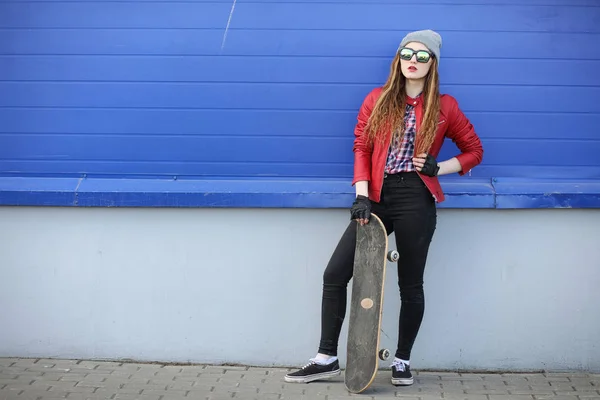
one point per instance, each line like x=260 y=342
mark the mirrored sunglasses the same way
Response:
x=407 y=53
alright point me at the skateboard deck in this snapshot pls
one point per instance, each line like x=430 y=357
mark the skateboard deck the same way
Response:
x=366 y=305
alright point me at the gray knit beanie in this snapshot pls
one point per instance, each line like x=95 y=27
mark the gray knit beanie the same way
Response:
x=431 y=39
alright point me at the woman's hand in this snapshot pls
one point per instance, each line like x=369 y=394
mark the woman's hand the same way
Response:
x=361 y=210
x=450 y=166
x=426 y=164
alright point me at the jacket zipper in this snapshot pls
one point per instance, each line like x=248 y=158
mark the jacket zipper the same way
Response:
x=418 y=173
x=389 y=141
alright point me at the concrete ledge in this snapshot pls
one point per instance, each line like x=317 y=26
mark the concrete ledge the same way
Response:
x=461 y=192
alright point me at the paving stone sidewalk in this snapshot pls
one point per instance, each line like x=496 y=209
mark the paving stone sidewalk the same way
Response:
x=42 y=379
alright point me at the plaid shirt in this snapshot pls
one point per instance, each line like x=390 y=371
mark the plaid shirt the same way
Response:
x=401 y=151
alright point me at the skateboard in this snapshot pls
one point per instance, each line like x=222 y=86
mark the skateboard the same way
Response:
x=366 y=305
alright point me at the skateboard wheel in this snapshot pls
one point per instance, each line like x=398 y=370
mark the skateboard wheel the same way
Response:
x=384 y=354
x=393 y=256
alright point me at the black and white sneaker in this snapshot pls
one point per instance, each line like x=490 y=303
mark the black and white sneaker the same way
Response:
x=314 y=371
x=401 y=375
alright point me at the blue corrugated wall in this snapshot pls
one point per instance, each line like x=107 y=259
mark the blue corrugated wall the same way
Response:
x=257 y=89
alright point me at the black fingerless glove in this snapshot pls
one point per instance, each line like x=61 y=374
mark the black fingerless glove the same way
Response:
x=431 y=167
x=361 y=208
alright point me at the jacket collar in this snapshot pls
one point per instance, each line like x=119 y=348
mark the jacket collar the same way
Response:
x=414 y=101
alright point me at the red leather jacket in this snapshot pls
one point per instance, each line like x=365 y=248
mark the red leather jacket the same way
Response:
x=370 y=159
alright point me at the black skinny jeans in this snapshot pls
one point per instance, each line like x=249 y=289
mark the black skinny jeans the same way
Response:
x=408 y=209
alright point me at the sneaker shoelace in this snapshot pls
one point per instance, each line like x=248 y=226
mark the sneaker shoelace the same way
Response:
x=399 y=365
x=312 y=362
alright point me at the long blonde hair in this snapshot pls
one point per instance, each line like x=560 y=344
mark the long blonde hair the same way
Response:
x=388 y=112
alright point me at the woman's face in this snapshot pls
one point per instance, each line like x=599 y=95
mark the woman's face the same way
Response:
x=412 y=69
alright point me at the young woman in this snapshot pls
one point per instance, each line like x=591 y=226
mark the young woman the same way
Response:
x=401 y=128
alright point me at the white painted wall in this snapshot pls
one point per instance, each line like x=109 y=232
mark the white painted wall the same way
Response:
x=504 y=289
